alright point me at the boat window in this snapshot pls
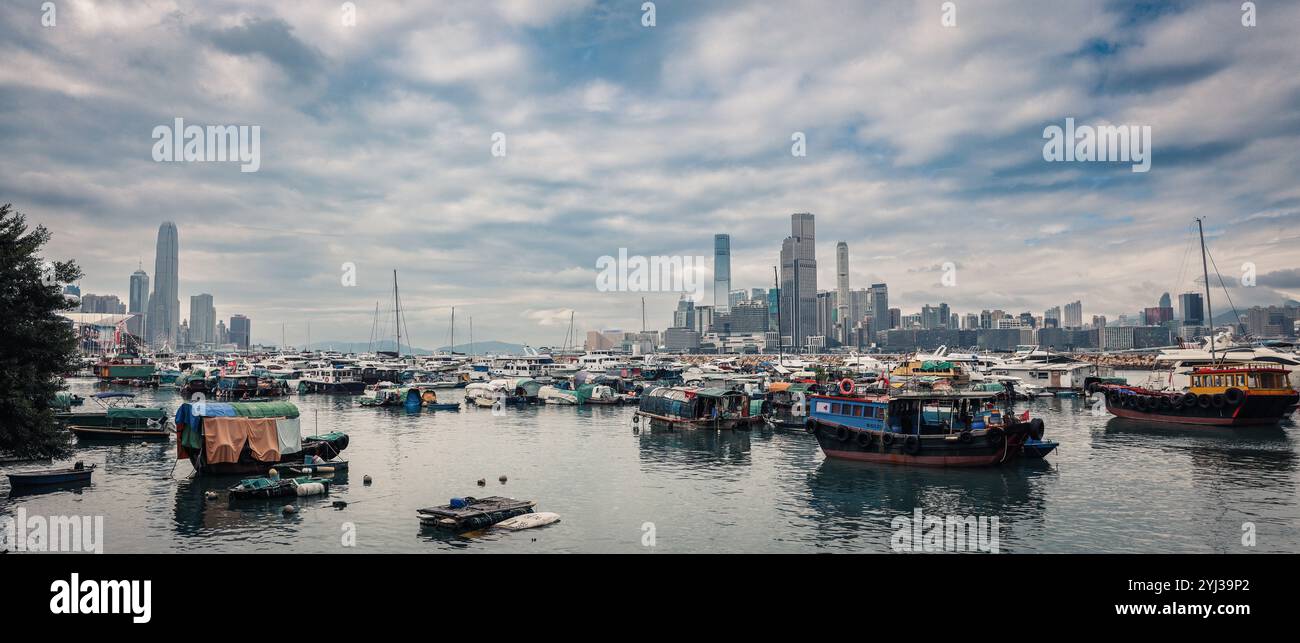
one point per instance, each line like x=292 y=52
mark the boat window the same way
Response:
x=1241 y=379
x=1218 y=380
x=857 y=411
x=835 y=408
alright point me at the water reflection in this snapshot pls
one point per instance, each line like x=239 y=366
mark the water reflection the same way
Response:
x=694 y=447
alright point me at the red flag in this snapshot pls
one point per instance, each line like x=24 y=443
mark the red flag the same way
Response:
x=1024 y=417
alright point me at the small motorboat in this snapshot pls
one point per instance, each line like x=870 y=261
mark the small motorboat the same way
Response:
x=77 y=473
x=277 y=487
x=528 y=521
x=315 y=468
x=103 y=433
x=1034 y=448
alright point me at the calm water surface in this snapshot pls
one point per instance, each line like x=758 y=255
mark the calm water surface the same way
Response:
x=1112 y=486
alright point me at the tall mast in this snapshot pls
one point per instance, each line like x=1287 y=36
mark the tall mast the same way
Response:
x=471 y=335
x=1205 y=270
x=397 y=314
x=453 y=330
x=643 y=314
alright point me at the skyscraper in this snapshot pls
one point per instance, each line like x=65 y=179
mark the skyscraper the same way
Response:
x=1074 y=315
x=799 y=280
x=138 y=302
x=880 y=307
x=1192 y=309
x=842 y=291
x=241 y=329
x=721 y=272
x=165 y=305
x=203 y=320
x=1164 y=301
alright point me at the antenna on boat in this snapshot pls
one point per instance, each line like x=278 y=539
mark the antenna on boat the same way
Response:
x=1205 y=270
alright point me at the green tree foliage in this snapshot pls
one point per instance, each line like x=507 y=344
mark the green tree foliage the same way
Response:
x=36 y=344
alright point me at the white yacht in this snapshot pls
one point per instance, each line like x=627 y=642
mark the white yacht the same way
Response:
x=1173 y=366
x=1052 y=371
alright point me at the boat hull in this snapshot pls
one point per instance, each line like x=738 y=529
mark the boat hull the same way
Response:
x=55 y=477
x=102 y=433
x=1255 y=410
x=655 y=421
x=918 y=450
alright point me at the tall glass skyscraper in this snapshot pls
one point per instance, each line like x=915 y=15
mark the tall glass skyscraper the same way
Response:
x=165 y=304
x=842 y=292
x=721 y=272
x=138 y=304
x=799 y=281
x=203 y=320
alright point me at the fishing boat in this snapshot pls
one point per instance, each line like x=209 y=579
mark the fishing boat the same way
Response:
x=114 y=410
x=124 y=367
x=196 y=381
x=1224 y=393
x=275 y=487
x=248 y=437
x=696 y=408
x=246 y=386
x=509 y=391
x=1248 y=394
x=943 y=427
x=787 y=404
x=75 y=474
x=335 y=380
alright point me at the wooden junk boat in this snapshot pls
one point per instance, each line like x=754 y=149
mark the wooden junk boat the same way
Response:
x=247 y=437
x=1248 y=394
x=943 y=427
x=696 y=408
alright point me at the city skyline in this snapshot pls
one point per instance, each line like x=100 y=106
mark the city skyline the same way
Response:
x=652 y=139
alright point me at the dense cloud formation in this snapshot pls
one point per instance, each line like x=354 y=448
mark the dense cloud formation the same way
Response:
x=924 y=146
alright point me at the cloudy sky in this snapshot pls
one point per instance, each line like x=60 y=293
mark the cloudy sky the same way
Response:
x=924 y=146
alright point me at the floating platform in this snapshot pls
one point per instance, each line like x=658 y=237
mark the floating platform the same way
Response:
x=476 y=513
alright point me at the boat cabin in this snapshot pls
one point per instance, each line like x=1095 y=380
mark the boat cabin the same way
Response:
x=1253 y=378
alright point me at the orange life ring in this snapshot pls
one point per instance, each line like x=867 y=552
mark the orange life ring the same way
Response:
x=846 y=386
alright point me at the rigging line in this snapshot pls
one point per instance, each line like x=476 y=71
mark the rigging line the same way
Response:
x=1236 y=315
x=1182 y=270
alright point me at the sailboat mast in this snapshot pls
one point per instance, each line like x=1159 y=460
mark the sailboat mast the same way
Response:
x=471 y=335
x=453 y=330
x=397 y=314
x=1205 y=270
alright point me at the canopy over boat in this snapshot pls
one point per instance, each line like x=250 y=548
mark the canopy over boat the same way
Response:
x=110 y=394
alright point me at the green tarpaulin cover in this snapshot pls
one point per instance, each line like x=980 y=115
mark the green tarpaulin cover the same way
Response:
x=134 y=413
x=265 y=409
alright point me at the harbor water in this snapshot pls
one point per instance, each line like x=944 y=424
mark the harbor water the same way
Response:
x=1112 y=486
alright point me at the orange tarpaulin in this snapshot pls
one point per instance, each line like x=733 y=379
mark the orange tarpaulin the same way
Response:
x=225 y=437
